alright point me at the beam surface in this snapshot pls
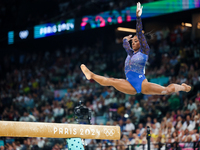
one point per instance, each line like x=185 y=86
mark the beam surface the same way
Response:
x=55 y=130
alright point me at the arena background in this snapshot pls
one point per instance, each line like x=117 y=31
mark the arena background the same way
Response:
x=41 y=80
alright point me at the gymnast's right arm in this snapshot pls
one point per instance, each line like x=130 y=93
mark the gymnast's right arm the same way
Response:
x=126 y=45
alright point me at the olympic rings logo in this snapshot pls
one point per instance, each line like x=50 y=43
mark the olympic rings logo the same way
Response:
x=109 y=132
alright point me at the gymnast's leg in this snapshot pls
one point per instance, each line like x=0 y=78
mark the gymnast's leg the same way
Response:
x=121 y=85
x=155 y=89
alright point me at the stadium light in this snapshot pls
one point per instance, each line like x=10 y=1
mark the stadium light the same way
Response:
x=198 y=25
x=127 y=30
x=186 y=24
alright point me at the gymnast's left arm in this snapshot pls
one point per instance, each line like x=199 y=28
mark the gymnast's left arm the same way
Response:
x=126 y=45
x=143 y=43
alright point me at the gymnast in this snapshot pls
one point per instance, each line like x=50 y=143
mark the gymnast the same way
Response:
x=137 y=57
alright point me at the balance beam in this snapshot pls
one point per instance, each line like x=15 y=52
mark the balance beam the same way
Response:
x=55 y=130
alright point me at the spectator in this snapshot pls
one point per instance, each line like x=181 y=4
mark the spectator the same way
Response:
x=129 y=126
x=121 y=125
x=198 y=96
x=174 y=136
x=156 y=123
x=188 y=124
x=137 y=111
x=174 y=102
x=41 y=143
x=149 y=120
x=49 y=118
x=189 y=143
x=191 y=106
x=27 y=117
x=142 y=130
x=154 y=129
x=58 y=113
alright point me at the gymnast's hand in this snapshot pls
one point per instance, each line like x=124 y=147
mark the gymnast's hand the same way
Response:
x=128 y=37
x=139 y=10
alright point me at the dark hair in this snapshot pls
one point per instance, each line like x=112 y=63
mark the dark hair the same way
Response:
x=149 y=36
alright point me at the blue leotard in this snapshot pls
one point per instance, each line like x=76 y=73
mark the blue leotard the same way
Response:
x=135 y=62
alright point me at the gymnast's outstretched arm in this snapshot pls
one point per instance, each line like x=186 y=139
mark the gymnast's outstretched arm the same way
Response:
x=143 y=43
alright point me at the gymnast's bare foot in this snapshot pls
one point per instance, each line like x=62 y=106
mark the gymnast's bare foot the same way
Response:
x=86 y=71
x=187 y=87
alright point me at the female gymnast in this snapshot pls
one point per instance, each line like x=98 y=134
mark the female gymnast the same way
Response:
x=135 y=68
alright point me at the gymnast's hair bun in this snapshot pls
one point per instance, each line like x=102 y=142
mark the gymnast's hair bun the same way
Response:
x=149 y=36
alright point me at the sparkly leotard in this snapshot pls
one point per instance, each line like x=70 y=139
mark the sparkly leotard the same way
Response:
x=135 y=62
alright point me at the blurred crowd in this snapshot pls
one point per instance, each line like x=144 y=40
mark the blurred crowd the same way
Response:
x=20 y=14
x=29 y=81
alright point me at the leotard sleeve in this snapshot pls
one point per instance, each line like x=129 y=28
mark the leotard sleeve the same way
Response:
x=143 y=43
x=127 y=47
